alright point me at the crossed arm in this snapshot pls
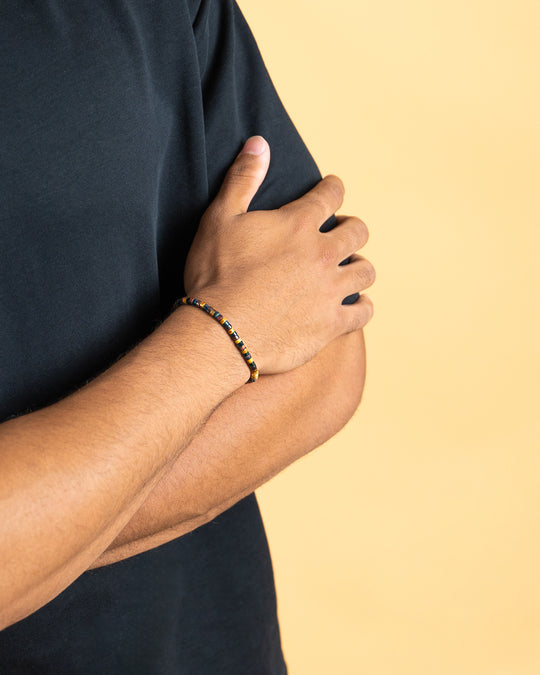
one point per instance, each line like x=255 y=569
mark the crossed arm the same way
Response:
x=250 y=437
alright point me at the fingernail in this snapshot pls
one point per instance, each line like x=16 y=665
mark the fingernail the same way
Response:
x=255 y=145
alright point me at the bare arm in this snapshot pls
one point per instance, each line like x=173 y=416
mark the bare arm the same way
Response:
x=74 y=473
x=265 y=428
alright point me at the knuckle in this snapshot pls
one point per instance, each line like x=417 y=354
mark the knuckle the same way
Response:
x=241 y=173
x=359 y=232
x=363 y=233
x=365 y=273
x=373 y=272
x=335 y=185
x=361 y=318
x=326 y=253
x=370 y=273
x=368 y=312
x=241 y=179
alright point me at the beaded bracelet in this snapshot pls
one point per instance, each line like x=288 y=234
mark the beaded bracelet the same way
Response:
x=223 y=321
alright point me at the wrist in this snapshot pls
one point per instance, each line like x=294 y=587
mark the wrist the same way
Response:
x=222 y=320
x=215 y=357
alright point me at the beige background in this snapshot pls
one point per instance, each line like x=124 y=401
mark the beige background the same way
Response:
x=410 y=542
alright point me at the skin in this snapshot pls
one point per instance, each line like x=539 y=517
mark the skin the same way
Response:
x=74 y=474
x=211 y=476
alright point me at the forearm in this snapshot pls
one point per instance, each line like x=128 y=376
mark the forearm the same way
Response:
x=74 y=473
x=248 y=439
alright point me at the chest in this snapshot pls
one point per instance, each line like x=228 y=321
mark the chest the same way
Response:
x=82 y=124
x=95 y=122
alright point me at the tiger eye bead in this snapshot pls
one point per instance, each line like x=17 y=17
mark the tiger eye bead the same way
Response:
x=186 y=300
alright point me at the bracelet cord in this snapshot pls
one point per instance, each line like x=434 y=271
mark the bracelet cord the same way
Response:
x=186 y=300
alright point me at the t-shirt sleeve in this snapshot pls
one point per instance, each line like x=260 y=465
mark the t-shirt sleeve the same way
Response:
x=240 y=100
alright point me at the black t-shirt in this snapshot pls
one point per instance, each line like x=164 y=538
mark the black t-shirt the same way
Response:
x=118 y=120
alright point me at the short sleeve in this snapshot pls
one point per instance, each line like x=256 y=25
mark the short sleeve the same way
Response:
x=240 y=100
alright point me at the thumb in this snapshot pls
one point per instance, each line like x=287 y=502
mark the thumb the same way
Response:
x=244 y=176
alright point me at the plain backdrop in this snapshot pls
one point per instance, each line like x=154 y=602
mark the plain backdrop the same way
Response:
x=409 y=544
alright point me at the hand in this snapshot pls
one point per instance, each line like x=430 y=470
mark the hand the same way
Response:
x=272 y=274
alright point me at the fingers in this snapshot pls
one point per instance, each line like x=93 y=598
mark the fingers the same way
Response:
x=358 y=314
x=244 y=177
x=349 y=234
x=357 y=275
x=319 y=203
